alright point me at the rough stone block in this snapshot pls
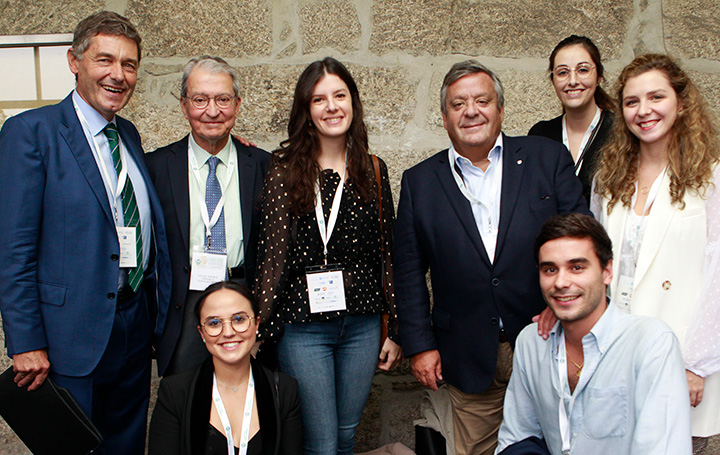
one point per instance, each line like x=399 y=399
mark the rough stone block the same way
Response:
x=388 y=96
x=411 y=26
x=21 y=17
x=194 y=27
x=692 y=28
x=494 y=27
x=329 y=24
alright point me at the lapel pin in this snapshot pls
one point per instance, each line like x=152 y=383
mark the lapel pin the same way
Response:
x=519 y=161
x=666 y=285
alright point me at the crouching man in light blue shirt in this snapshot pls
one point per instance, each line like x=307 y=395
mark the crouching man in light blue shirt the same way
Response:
x=605 y=382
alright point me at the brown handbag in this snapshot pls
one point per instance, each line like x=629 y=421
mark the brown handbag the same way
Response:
x=385 y=316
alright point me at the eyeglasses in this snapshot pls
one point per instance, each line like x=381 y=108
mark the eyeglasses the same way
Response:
x=582 y=72
x=221 y=101
x=239 y=322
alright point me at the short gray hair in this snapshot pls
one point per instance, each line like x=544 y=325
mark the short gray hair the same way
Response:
x=106 y=22
x=466 y=68
x=213 y=65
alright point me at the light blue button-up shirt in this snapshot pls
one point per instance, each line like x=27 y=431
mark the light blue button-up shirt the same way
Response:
x=94 y=128
x=631 y=398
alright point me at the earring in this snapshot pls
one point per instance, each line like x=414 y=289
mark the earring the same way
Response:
x=203 y=340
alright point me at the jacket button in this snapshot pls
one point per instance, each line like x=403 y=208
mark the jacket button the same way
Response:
x=111 y=295
x=114 y=257
x=495 y=281
x=178 y=306
x=494 y=321
x=185 y=269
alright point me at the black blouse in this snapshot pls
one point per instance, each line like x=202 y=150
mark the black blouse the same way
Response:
x=289 y=243
x=216 y=443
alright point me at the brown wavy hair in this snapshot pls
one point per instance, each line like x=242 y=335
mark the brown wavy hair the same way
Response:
x=298 y=154
x=602 y=99
x=693 y=148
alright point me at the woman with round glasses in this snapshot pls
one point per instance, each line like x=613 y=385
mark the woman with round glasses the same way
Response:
x=230 y=403
x=322 y=254
x=586 y=122
x=657 y=196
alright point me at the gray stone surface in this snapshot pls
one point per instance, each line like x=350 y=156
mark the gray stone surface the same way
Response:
x=692 y=28
x=329 y=24
x=411 y=26
x=190 y=28
x=709 y=86
x=20 y=17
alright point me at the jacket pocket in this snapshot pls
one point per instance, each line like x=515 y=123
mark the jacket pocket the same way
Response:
x=52 y=294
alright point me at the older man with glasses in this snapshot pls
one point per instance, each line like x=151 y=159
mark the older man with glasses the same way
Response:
x=208 y=183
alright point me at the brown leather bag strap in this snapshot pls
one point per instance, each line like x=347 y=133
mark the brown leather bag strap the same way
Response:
x=376 y=166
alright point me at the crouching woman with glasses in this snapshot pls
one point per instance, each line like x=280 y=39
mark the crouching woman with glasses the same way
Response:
x=230 y=404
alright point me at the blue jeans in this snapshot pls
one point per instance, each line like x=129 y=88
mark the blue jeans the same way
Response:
x=334 y=363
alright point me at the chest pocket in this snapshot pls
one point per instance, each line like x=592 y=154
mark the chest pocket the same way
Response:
x=605 y=412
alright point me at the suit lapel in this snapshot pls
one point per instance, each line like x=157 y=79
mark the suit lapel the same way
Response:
x=460 y=205
x=246 y=176
x=74 y=136
x=513 y=170
x=658 y=222
x=177 y=167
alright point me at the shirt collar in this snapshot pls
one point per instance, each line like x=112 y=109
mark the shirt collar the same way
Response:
x=95 y=121
x=495 y=155
x=201 y=155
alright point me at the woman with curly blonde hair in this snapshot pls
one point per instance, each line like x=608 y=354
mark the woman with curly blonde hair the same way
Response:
x=655 y=195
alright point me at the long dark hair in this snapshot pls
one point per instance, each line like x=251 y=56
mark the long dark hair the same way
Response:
x=602 y=99
x=298 y=154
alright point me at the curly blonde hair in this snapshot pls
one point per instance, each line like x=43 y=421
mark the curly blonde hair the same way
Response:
x=693 y=148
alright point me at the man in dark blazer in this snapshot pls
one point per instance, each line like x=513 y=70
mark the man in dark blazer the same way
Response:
x=85 y=280
x=181 y=173
x=470 y=214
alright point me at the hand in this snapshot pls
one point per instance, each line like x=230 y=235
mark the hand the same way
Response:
x=244 y=141
x=427 y=368
x=696 y=384
x=390 y=355
x=546 y=320
x=32 y=368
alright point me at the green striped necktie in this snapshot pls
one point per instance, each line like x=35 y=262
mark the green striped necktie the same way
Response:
x=131 y=214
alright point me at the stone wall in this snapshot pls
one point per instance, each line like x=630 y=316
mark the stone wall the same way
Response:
x=398 y=51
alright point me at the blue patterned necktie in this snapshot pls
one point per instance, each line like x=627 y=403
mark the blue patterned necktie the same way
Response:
x=213 y=193
x=131 y=214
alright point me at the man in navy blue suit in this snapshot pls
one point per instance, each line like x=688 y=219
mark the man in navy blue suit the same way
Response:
x=85 y=280
x=470 y=214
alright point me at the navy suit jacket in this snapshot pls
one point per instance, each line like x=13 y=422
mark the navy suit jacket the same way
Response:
x=436 y=229
x=60 y=251
x=169 y=171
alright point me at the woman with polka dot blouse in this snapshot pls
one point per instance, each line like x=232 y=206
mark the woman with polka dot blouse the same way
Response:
x=322 y=255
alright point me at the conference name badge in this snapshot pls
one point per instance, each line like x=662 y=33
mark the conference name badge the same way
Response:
x=206 y=269
x=326 y=291
x=128 y=246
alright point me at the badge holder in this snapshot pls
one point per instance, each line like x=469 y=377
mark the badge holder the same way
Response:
x=207 y=268
x=326 y=290
x=128 y=246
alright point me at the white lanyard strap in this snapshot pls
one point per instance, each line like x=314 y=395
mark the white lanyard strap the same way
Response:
x=564 y=420
x=326 y=231
x=122 y=176
x=207 y=220
x=247 y=416
x=586 y=138
x=494 y=188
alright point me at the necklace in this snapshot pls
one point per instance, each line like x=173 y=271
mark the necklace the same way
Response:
x=579 y=367
x=235 y=389
x=645 y=190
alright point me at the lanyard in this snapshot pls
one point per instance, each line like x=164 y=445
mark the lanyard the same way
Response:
x=326 y=231
x=494 y=188
x=207 y=220
x=247 y=415
x=587 y=138
x=564 y=420
x=122 y=176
